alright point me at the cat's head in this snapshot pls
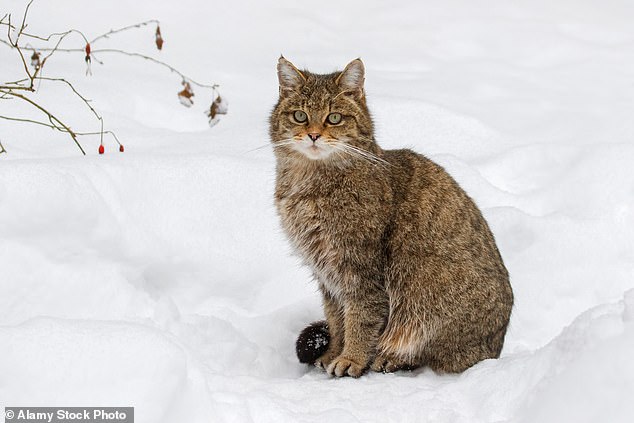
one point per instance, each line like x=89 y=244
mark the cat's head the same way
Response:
x=321 y=117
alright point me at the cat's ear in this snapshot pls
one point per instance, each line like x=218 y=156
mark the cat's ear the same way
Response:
x=352 y=78
x=291 y=79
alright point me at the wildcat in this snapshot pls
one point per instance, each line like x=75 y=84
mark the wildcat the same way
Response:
x=408 y=269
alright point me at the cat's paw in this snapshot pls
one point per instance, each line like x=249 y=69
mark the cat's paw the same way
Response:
x=324 y=361
x=344 y=366
x=386 y=364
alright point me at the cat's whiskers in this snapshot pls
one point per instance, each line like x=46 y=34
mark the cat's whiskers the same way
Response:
x=284 y=144
x=359 y=153
x=367 y=154
x=258 y=148
x=361 y=157
x=281 y=143
x=344 y=155
x=353 y=153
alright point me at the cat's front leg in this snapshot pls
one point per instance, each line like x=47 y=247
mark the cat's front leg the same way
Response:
x=334 y=318
x=364 y=319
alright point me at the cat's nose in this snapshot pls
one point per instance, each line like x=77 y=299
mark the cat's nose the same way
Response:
x=314 y=135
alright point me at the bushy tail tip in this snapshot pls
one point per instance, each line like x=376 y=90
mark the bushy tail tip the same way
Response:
x=312 y=342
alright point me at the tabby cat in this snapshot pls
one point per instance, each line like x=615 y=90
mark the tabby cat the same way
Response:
x=408 y=269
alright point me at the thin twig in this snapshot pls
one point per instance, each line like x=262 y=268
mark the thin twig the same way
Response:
x=84 y=99
x=52 y=126
x=76 y=31
x=32 y=77
x=2 y=150
x=142 y=56
x=58 y=128
x=10 y=90
x=125 y=28
x=37 y=122
x=15 y=45
x=26 y=12
x=49 y=36
x=36 y=37
x=133 y=54
x=61 y=38
x=158 y=62
x=63 y=35
x=52 y=118
x=6 y=42
x=15 y=87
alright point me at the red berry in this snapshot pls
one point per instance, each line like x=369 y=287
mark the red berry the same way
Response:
x=87 y=49
x=101 y=149
x=121 y=148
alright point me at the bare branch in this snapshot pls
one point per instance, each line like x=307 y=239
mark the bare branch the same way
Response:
x=36 y=122
x=84 y=99
x=15 y=87
x=61 y=38
x=2 y=150
x=59 y=128
x=76 y=31
x=158 y=62
x=125 y=28
x=139 y=55
x=63 y=35
x=21 y=31
x=26 y=12
x=15 y=45
x=49 y=36
x=50 y=116
x=33 y=68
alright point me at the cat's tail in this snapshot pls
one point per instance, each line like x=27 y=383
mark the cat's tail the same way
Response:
x=312 y=342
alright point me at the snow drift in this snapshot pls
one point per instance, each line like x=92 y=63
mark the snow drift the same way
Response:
x=160 y=279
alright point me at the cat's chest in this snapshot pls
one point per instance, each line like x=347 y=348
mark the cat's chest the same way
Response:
x=330 y=218
x=319 y=213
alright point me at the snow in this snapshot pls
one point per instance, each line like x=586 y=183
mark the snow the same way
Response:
x=160 y=278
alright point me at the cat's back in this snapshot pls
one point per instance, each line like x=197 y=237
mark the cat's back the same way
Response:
x=434 y=215
x=419 y=183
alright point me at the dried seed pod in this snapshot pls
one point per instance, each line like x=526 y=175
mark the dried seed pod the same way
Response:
x=222 y=105
x=88 y=60
x=159 y=38
x=35 y=60
x=213 y=110
x=218 y=107
x=185 y=96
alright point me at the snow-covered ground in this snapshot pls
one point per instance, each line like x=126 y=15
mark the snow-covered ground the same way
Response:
x=159 y=278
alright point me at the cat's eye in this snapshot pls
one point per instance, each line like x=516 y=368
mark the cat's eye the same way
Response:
x=300 y=116
x=334 y=118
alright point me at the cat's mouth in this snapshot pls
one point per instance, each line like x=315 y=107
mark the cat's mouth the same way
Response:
x=314 y=150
